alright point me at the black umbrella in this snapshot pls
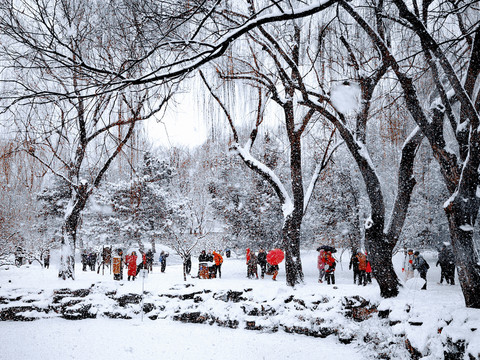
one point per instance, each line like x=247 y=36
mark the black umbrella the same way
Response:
x=327 y=248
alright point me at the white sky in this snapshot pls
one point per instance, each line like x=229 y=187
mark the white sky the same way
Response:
x=181 y=125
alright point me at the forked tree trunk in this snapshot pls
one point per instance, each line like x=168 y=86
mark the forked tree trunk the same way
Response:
x=380 y=256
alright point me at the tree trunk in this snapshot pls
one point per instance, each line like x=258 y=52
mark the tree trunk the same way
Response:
x=380 y=254
x=459 y=214
x=67 y=259
x=291 y=245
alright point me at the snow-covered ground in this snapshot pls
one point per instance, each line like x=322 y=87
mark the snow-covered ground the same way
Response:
x=440 y=311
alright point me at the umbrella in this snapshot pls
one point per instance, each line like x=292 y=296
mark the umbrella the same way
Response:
x=327 y=248
x=275 y=256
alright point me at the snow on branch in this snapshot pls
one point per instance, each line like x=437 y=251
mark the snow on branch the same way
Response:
x=268 y=174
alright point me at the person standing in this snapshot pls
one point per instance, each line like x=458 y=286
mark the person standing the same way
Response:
x=84 y=260
x=218 y=259
x=149 y=260
x=163 y=261
x=354 y=266
x=132 y=266
x=117 y=265
x=408 y=265
x=421 y=266
x=447 y=265
x=330 y=265
x=321 y=265
x=46 y=260
x=273 y=270
x=92 y=260
x=251 y=264
x=362 y=268
x=262 y=261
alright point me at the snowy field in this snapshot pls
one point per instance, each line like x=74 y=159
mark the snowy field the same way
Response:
x=104 y=338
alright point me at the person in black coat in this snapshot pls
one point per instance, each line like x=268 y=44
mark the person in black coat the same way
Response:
x=203 y=257
x=354 y=265
x=262 y=261
x=421 y=265
x=447 y=265
x=163 y=261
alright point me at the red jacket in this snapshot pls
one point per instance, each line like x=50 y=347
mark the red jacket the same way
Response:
x=362 y=262
x=132 y=265
x=217 y=258
x=330 y=261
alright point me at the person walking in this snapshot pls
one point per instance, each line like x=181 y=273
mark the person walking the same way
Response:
x=447 y=265
x=362 y=268
x=84 y=260
x=421 y=266
x=149 y=260
x=163 y=261
x=132 y=266
x=354 y=266
x=251 y=264
x=273 y=270
x=218 y=259
x=262 y=261
x=330 y=265
x=408 y=265
x=46 y=260
x=321 y=265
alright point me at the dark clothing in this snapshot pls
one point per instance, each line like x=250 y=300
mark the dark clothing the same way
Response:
x=46 y=261
x=163 y=261
x=92 y=260
x=262 y=261
x=84 y=262
x=446 y=260
x=218 y=270
x=203 y=257
x=252 y=266
x=149 y=260
x=330 y=265
x=422 y=267
x=356 y=272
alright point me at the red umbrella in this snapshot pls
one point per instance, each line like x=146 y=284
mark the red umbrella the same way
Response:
x=275 y=256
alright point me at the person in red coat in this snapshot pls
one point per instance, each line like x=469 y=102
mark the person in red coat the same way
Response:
x=330 y=265
x=132 y=265
x=218 y=259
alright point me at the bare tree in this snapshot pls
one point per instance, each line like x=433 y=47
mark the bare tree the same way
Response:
x=454 y=72
x=285 y=56
x=79 y=136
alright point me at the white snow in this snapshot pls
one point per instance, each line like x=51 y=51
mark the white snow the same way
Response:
x=466 y=227
x=440 y=311
x=346 y=97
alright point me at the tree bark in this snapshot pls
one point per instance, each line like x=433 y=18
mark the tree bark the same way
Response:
x=291 y=245
x=460 y=214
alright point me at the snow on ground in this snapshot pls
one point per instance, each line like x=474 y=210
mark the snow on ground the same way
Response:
x=439 y=308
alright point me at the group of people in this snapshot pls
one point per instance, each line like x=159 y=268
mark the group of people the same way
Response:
x=260 y=259
x=134 y=263
x=209 y=265
x=414 y=261
x=89 y=260
x=362 y=270
x=326 y=265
